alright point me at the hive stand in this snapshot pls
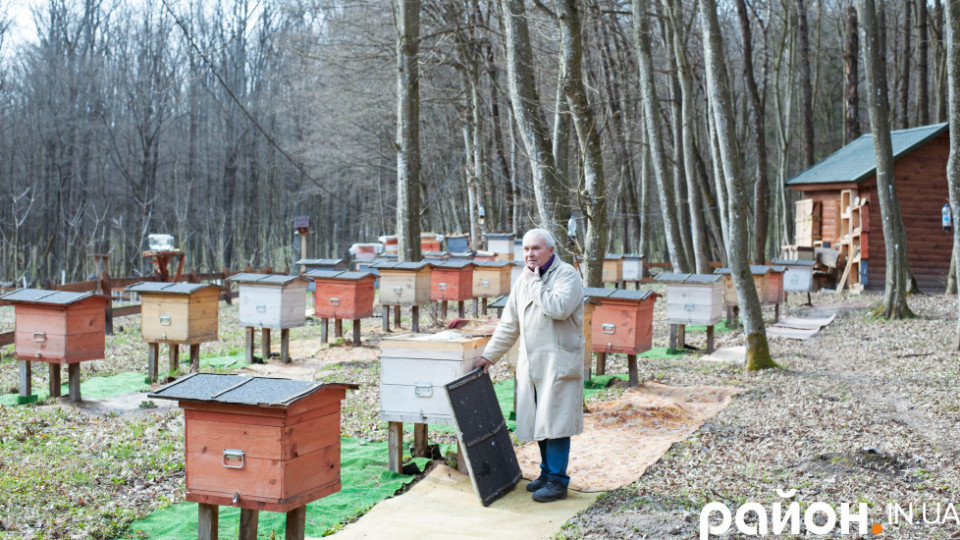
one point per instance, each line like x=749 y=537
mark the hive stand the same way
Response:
x=58 y=328
x=622 y=323
x=403 y=284
x=270 y=301
x=273 y=443
x=161 y=260
x=692 y=299
x=176 y=314
x=452 y=281
x=342 y=295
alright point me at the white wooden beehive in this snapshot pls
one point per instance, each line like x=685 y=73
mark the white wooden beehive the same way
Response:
x=693 y=298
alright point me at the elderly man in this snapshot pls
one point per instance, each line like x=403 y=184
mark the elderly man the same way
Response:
x=545 y=312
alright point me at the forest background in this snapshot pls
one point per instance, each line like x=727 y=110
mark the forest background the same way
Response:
x=218 y=122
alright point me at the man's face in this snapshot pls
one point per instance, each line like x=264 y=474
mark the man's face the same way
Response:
x=535 y=251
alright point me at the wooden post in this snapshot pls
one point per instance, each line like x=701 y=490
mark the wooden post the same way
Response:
x=325 y=326
x=776 y=312
x=285 y=345
x=460 y=308
x=414 y=318
x=194 y=357
x=296 y=523
x=396 y=316
x=395 y=446
x=54 y=379
x=338 y=328
x=476 y=308
x=420 y=442
x=356 y=332
x=673 y=336
x=153 y=361
x=483 y=305
x=174 y=354
x=208 y=521
x=26 y=378
x=710 y=339
x=443 y=310
x=386 y=318
x=73 y=378
x=681 y=336
x=248 y=351
x=632 y=370
x=249 y=520
x=265 y=339
x=601 y=363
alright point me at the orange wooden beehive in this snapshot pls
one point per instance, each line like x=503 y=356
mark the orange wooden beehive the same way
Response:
x=343 y=295
x=259 y=443
x=767 y=279
x=452 y=281
x=58 y=327
x=622 y=320
x=491 y=279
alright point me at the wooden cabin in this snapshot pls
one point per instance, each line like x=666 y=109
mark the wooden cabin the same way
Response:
x=840 y=205
x=613 y=269
x=258 y=443
x=57 y=328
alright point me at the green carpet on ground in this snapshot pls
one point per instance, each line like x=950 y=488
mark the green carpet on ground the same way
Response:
x=363 y=475
x=719 y=327
x=94 y=388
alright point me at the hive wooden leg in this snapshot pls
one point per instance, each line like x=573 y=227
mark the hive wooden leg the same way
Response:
x=386 y=318
x=285 y=345
x=249 y=520
x=265 y=343
x=325 y=326
x=395 y=446
x=601 y=363
x=73 y=377
x=248 y=351
x=420 y=441
x=54 y=379
x=396 y=316
x=730 y=322
x=681 y=336
x=356 y=332
x=673 y=336
x=26 y=378
x=634 y=379
x=296 y=523
x=483 y=306
x=194 y=357
x=174 y=358
x=414 y=318
x=776 y=312
x=153 y=361
x=207 y=521
x=710 y=339
x=460 y=308
x=444 y=310
x=338 y=328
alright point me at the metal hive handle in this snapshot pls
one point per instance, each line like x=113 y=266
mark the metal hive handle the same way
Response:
x=232 y=455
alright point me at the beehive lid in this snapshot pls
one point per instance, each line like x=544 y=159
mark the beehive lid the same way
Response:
x=499 y=303
x=339 y=274
x=240 y=390
x=669 y=277
x=597 y=292
x=454 y=265
x=633 y=296
x=44 y=296
x=443 y=255
x=163 y=287
x=788 y=262
x=500 y=236
x=494 y=264
x=613 y=257
x=321 y=262
x=633 y=256
x=401 y=265
x=263 y=279
x=755 y=269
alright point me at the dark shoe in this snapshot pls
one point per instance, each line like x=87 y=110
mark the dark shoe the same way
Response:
x=551 y=491
x=536 y=484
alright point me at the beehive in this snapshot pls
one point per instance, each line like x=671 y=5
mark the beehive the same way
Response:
x=430 y=242
x=271 y=300
x=767 y=279
x=632 y=267
x=436 y=256
x=798 y=276
x=516 y=271
x=366 y=252
x=501 y=244
x=693 y=298
x=413 y=370
x=259 y=443
x=457 y=243
x=613 y=268
x=404 y=284
x=484 y=256
x=324 y=264
x=622 y=320
x=491 y=279
x=343 y=295
x=518 y=249
x=452 y=281
x=177 y=312
x=58 y=327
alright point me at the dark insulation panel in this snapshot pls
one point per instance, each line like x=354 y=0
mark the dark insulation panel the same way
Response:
x=483 y=436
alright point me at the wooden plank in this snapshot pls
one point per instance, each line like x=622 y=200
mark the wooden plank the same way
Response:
x=259 y=477
x=310 y=435
x=305 y=472
x=126 y=310
x=7 y=338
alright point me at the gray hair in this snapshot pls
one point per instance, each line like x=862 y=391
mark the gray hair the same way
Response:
x=542 y=233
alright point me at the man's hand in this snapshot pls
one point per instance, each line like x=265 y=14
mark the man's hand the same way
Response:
x=529 y=274
x=482 y=363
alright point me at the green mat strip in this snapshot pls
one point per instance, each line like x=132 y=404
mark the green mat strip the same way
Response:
x=363 y=475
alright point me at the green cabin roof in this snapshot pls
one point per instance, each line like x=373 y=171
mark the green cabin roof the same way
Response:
x=856 y=161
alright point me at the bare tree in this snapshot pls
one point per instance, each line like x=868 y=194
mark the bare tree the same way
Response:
x=851 y=55
x=408 y=130
x=952 y=43
x=806 y=85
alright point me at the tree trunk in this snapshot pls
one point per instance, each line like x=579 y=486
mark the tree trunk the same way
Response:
x=806 y=88
x=851 y=118
x=408 y=131
x=648 y=96
x=923 y=71
x=953 y=162
x=718 y=92
x=895 y=240
x=904 y=92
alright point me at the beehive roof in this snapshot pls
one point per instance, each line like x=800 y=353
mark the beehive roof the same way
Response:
x=499 y=235
x=321 y=262
x=163 y=287
x=788 y=262
x=339 y=274
x=44 y=296
x=240 y=390
x=756 y=269
x=669 y=277
x=613 y=256
x=401 y=265
x=632 y=256
x=454 y=264
x=494 y=264
x=263 y=279
x=637 y=296
x=597 y=292
x=857 y=161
